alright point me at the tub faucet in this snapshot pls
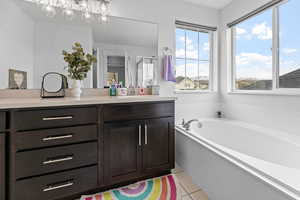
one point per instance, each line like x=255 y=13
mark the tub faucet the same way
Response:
x=187 y=125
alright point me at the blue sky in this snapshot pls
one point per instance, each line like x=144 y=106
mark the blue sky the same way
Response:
x=254 y=43
x=197 y=51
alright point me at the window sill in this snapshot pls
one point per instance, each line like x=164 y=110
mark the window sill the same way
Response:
x=194 y=92
x=271 y=93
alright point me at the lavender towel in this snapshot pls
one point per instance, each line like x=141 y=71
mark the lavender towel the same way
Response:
x=169 y=71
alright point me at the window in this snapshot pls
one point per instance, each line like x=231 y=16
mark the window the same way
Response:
x=266 y=49
x=289 y=45
x=193 y=59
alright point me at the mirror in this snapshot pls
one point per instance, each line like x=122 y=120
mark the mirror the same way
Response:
x=53 y=82
x=32 y=45
x=53 y=85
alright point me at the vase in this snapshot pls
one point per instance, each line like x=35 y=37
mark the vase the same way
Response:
x=76 y=88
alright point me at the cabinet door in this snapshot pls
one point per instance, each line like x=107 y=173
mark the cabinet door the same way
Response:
x=158 y=145
x=2 y=166
x=122 y=151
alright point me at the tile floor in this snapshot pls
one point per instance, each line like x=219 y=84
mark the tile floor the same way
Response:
x=189 y=190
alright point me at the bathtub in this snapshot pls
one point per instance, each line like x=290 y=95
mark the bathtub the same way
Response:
x=232 y=160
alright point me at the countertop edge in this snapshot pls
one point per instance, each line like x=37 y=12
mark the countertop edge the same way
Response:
x=39 y=103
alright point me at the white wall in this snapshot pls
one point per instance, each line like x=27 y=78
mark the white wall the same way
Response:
x=50 y=39
x=280 y=112
x=16 y=42
x=164 y=14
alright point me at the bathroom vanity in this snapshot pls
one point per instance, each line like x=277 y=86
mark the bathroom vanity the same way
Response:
x=63 y=150
x=2 y=154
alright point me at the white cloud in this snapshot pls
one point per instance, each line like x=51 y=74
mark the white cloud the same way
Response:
x=247 y=58
x=206 y=46
x=248 y=36
x=254 y=65
x=180 y=53
x=262 y=31
x=191 y=51
x=240 y=31
x=192 y=70
x=289 y=50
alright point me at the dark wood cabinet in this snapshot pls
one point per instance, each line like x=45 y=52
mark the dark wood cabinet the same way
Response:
x=53 y=118
x=2 y=121
x=2 y=166
x=63 y=152
x=55 y=159
x=137 y=148
x=57 y=186
x=158 y=145
x=122 y=151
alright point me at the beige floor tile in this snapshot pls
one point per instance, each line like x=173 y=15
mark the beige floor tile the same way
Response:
x=177 y=169
x=182 y=190
x=186 y=182
x=186 y=198
x=200 y=195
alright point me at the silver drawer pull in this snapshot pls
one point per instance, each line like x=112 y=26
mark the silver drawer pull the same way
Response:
x=146 y=134
x=57 y=118
x=57 y=137
x=58 y=160
x=140 y=135
x=50 y=188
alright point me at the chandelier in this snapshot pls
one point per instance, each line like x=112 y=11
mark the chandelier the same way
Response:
x=88 y=9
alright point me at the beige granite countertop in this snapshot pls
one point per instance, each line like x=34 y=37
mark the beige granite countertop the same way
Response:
x=10 y=103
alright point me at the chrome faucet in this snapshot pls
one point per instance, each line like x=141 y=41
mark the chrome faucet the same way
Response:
x=187 y=125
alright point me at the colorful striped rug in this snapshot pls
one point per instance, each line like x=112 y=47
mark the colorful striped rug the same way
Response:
x=162 y=188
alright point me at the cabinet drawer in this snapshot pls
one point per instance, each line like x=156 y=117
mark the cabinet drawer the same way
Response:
x=57 y=186
x=43 y=161
x=138 y=111
x=2 y=121
x=58 y=136
x=37 y=119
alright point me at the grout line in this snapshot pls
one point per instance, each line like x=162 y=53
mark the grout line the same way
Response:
x=186 y=193
x=196 y=191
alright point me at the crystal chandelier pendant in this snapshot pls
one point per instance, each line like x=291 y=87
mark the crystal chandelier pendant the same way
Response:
x=69 y=13
x=88 y=17
x=50 y=10
x=88 y=9
x=104 y=7
x=103 y=19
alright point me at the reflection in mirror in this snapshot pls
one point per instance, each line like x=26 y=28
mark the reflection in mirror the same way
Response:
x=146 y=74
x=53 y=85
x=32 y=45
x=53 y=82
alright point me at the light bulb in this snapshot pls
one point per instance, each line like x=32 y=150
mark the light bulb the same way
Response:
x=103 y=7
x=50 y=10
x=88 y=16
x=84 y=4
x=69 y=13
x=104 y=18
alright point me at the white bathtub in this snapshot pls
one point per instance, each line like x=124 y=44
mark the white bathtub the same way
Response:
x=233 y=160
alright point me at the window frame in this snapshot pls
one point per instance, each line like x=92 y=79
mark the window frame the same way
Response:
x=212 y=42
x=231 y=43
